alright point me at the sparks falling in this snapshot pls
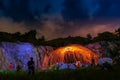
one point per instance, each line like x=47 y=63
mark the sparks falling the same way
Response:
x=72 y=54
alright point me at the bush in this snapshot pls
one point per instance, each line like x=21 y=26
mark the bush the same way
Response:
x=90 y=73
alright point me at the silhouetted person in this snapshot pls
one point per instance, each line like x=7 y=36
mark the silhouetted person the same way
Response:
x=107 y=66
x=18 y=67
x=93 y=62
x=11 y=66
x=30 y=65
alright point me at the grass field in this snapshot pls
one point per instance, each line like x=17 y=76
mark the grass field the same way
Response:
x=67 y=74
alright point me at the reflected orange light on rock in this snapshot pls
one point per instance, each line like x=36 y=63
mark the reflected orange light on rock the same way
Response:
x=72 y=54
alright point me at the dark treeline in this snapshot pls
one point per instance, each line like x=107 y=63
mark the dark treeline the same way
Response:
x=18 y=37
x=31 y=38
x=104 y=36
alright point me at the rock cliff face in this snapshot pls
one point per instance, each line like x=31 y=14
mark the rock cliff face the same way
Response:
x=20 y=53
x=105 y=49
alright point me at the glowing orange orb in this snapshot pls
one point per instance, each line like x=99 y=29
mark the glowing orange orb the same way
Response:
x=72 y=54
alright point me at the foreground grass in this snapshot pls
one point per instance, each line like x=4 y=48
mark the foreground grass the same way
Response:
x=78 y=74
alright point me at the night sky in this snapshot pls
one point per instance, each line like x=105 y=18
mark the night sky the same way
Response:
x=59 y=18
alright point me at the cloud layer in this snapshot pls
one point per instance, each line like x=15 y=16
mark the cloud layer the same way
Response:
x=59 y=18
x=69 y=9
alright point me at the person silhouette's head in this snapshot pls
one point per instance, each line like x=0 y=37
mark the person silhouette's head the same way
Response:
x=31 y=58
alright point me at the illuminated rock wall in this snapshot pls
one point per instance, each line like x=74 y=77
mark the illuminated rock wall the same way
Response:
x=72 y=54
x=104 y=49
x=3 y=61
x=20 y=53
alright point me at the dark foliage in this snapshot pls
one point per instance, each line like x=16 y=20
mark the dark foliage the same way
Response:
x=31 y=38
x=78 y=74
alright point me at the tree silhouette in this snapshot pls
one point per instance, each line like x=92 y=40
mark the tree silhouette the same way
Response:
x=118 y=32
x=29 y=36
x=105 y=36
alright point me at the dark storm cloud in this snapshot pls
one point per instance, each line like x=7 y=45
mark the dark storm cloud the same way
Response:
x=69 y=9
x=53 y=17
x=87 y=9
x=73 y=10
x=16 y=9
x=109 y=9
x=28 y=9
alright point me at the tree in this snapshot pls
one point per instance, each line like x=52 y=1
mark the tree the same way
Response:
x=42 y=38
x=16 y=36
x=118 y=32
x=29 y=36
x=105 y=36
x=89 y=36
